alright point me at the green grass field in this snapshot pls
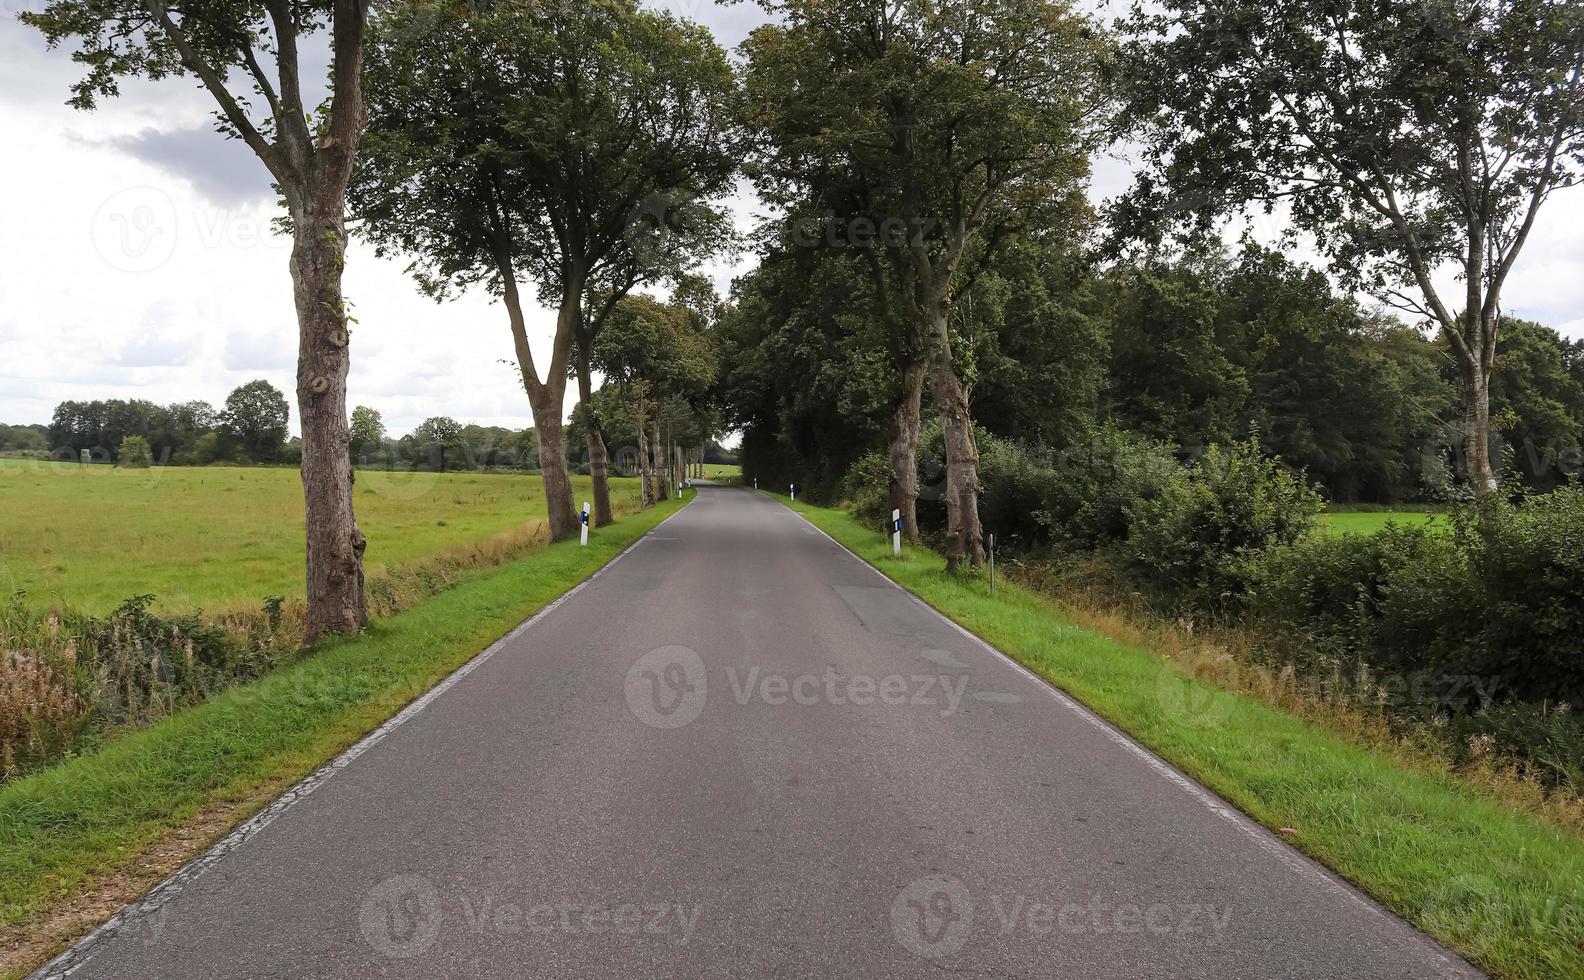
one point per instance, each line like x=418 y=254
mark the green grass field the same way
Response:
x=88 y=537
x=722 y=471
x=1343 y=521
x=1503 y=888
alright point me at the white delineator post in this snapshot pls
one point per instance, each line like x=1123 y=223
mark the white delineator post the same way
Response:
x=792 y=492
x=896 y=534
x=583 y=519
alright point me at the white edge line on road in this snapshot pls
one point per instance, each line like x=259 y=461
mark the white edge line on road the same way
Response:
x=80 y=952
x=1256 y=832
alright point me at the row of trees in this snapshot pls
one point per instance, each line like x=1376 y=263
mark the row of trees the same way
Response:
x=577 y=147
x=571 y=146
x=916 y=148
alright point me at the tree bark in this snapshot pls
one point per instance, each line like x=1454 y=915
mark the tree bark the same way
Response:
x=1476 y=429
x=599 y=460
x=904 y=450
x=657 y=462
x=335 y=545
x=656 y=455
x=560 y=510
x=646 y=490
x=640 y=417
x=964 y=536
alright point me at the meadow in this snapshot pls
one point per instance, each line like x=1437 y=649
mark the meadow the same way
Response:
x=1344 y=521
x=214 y=538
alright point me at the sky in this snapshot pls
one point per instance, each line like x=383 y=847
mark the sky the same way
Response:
x=137 y=260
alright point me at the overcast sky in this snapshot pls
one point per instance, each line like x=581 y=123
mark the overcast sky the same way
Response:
x=136 y=261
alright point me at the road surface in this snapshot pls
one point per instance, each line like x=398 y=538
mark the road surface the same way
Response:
x=740 y=752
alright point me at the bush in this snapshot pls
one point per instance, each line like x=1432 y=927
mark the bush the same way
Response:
x=1500 y=598
x=1529 y=561
x=1195 y=543
x=134 y=453
x=866 y=489
x=1377 y=597
x=1015 y=486
x=1097 y=483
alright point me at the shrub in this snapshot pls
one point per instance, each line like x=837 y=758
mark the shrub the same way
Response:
x=1530 y=566
x=134 y=453
x=1380 y=597
x=866 y=488
x=1013 y=484
x=1195 y=543
x=1096 y=483
x=1501 y=597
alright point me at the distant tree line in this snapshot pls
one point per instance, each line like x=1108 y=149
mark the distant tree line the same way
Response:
x=250 y=427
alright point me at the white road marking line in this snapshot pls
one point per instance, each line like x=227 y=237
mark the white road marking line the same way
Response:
x=82 y=950
x=1285 y=853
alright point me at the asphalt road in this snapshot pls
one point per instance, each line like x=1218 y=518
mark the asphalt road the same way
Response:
x=739 y=752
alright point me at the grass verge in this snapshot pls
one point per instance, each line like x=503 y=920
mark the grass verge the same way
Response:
x=91 y=824
x=1504 y=889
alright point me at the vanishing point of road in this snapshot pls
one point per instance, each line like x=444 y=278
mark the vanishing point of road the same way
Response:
x=740 y=752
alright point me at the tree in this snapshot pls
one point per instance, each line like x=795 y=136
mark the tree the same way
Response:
x=257 y=414
x=660 y=362
x=570 y=143
x=367 y=432
x=134 y=454
x=1537 y=402
x=186 y=422
x=309 y=153
x=806 y=373
x=23 y=438
x=1408 y=137
x=439 y=441
x=937 y=131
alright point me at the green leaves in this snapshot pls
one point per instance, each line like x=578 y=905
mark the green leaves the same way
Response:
x=573 y=143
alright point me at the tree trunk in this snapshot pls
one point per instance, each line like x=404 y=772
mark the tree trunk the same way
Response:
x=599 y=461
x=335 y=545
x=559 y=508
x=657 y=462
x=1476 y=429
x=964 y=536
x=904 y=450
x=546 y=397
x=646 y=488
